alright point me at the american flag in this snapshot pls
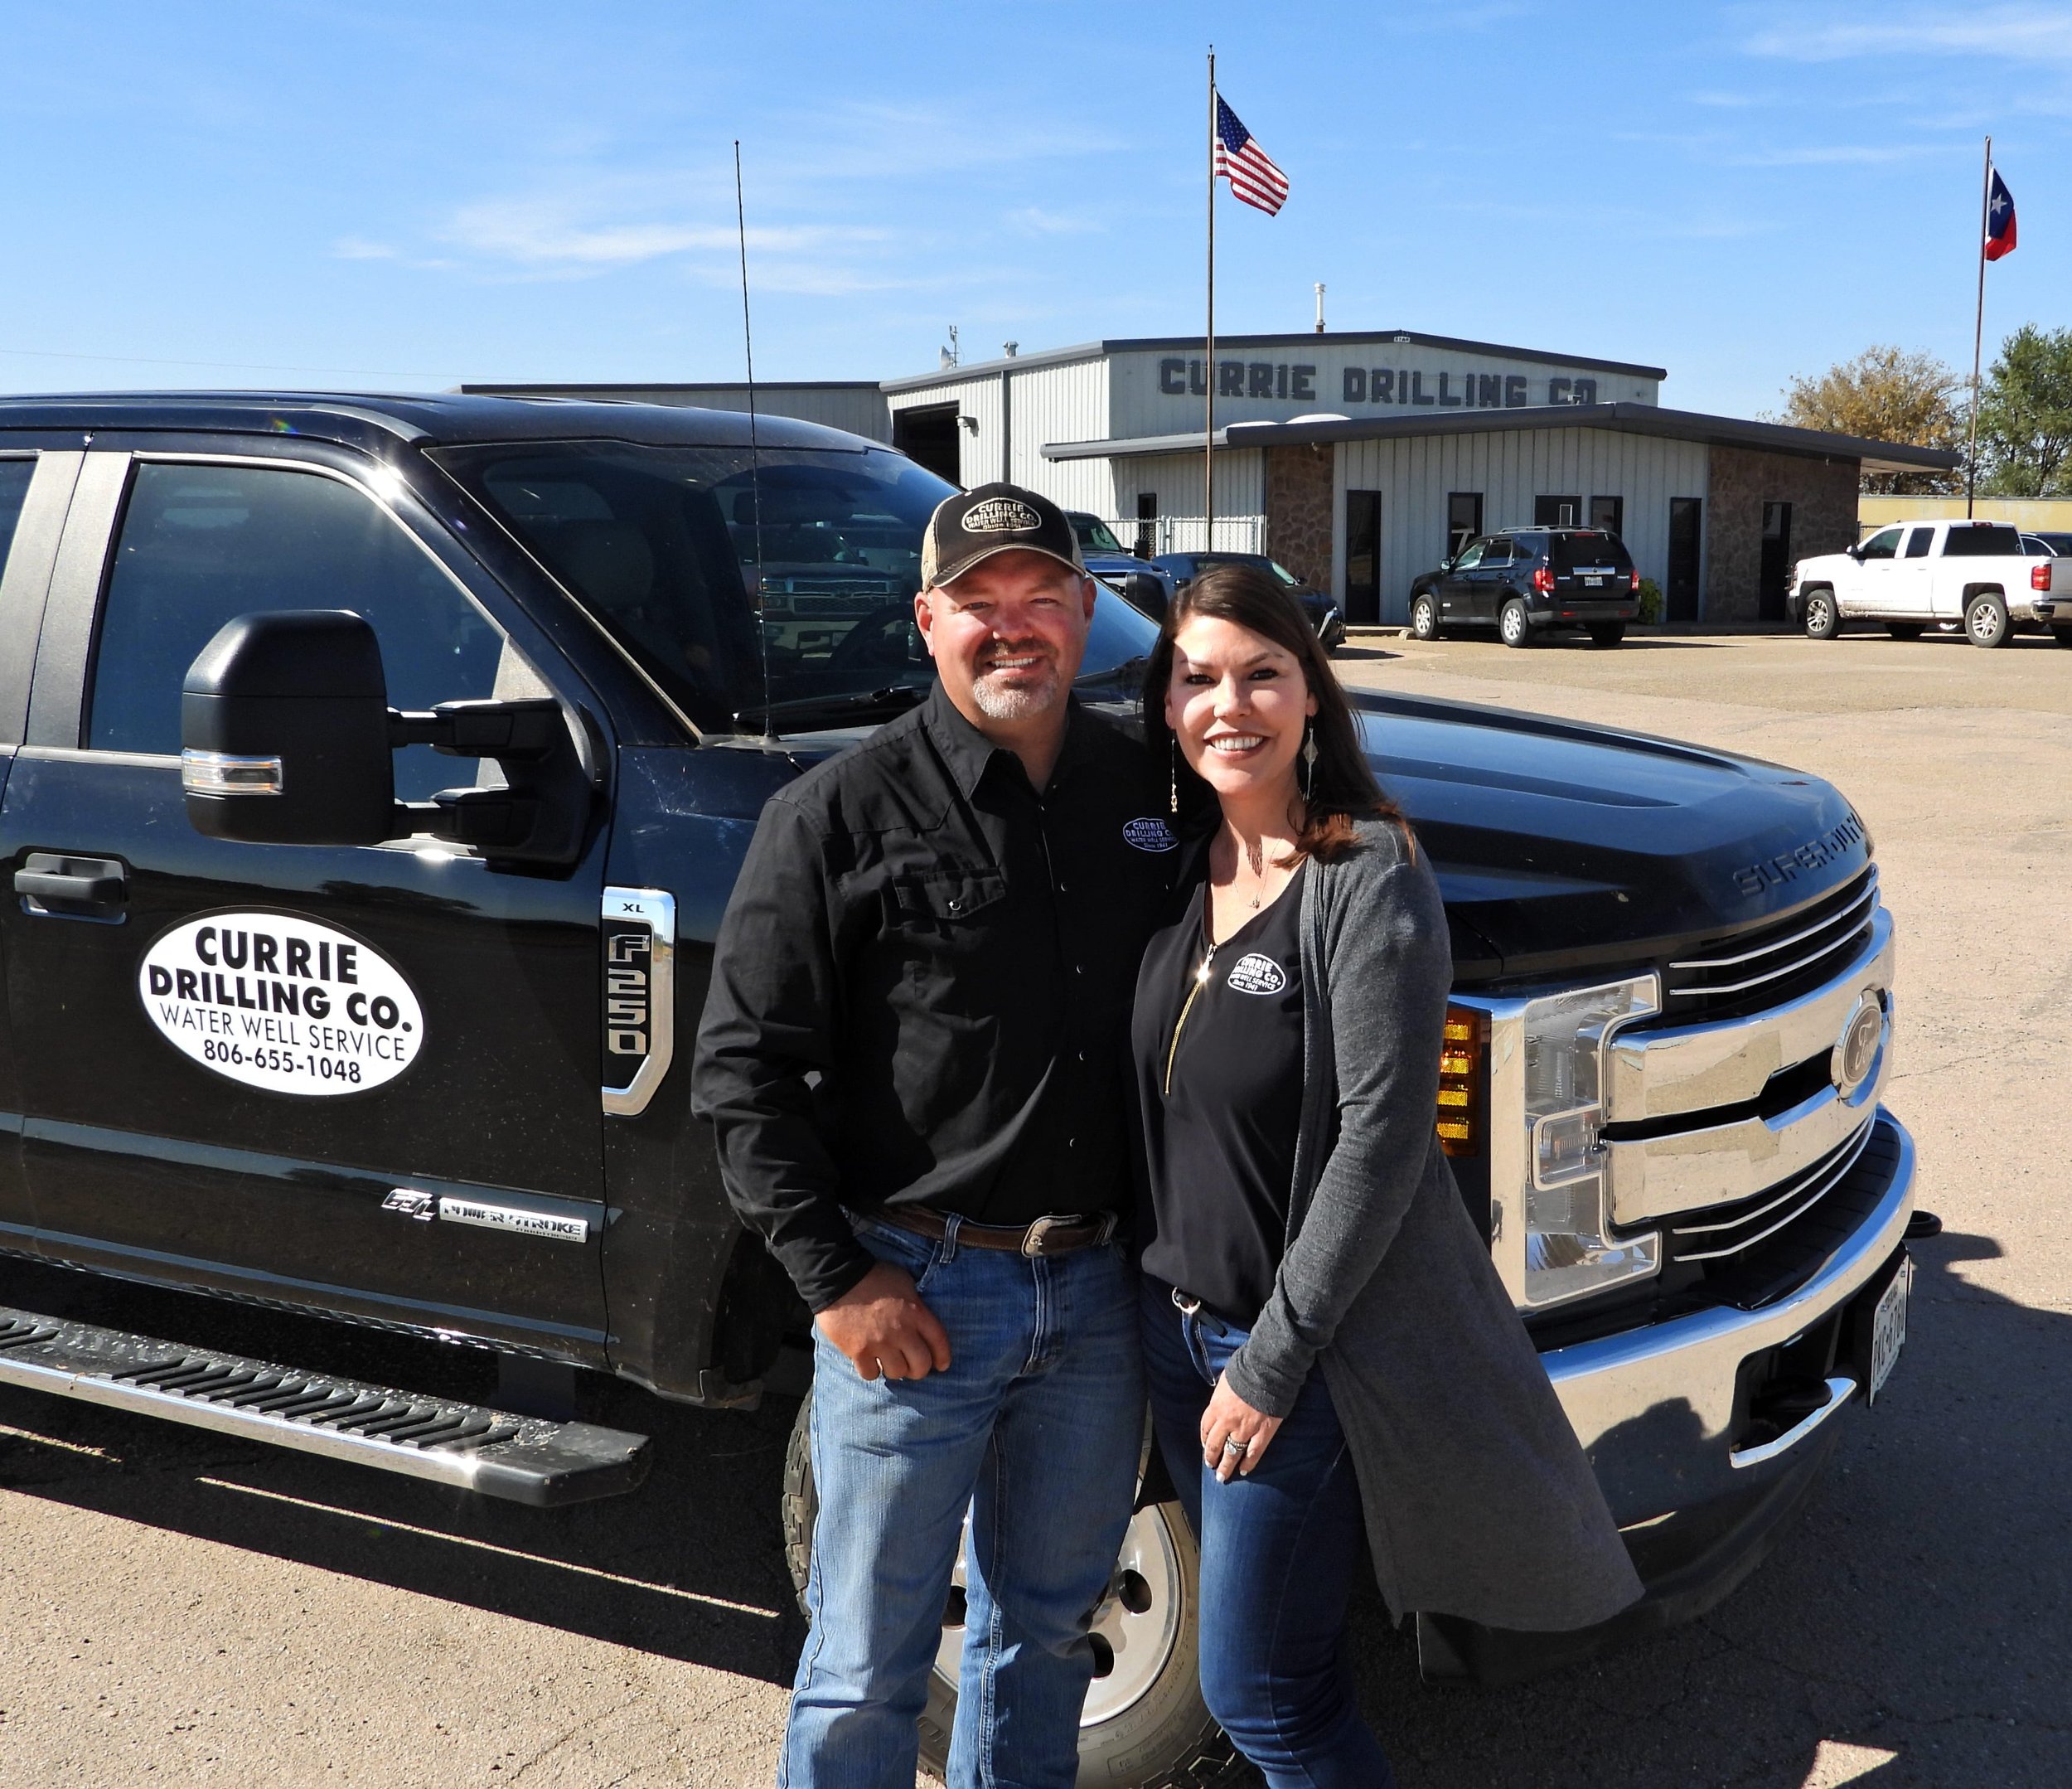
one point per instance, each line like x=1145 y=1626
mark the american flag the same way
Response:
x=1247 y=168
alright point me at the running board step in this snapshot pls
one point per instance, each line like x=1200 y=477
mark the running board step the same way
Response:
x=521 y=1458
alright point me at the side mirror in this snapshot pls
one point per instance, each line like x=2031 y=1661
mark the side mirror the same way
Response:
x=1146 y=591
x=287 y=738
x=1855 y=552
x=285 y=731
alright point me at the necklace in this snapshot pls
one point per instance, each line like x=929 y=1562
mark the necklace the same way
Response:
x=1255 y=861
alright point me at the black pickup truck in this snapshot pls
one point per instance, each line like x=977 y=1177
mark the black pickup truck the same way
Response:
x=373 y=774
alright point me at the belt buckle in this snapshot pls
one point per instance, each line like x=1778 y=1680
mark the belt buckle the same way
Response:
x=1032 y=1237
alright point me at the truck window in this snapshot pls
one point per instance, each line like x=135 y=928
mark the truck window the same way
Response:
x=1919 y=542
x=1095 y=536
x=15 y=475
x=1982 y=540
x=663 y=545
x=1577 y=552
x=1884 y=543
x=201 y=544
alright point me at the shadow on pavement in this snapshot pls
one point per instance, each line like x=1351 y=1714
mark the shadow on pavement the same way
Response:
x=1913 y=1629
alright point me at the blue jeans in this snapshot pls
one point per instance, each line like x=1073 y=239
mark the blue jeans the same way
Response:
x=1036 y=1429
x=1279 y=1550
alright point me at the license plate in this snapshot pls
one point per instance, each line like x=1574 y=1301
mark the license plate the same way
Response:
x=1888 y=1330
x=1594 y=583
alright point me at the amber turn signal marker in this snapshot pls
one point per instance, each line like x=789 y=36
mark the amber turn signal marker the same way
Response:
x=1461 y=1052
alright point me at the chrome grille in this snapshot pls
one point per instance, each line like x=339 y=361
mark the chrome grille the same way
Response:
x=1728 y=1231
x=1751 y=971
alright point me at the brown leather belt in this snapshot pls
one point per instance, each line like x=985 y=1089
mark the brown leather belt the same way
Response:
x=1046 y=1236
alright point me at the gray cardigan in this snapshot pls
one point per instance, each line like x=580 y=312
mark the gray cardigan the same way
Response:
x=1478 y=1500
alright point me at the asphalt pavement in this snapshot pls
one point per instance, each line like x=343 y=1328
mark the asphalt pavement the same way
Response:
x=176 y=1607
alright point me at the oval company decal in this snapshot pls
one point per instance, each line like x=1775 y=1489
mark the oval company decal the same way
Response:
x=1256 y=974
x=1149 y=834
x=282 y=1003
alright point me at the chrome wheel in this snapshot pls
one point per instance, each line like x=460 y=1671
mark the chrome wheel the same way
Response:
x=1424 y=619
x=1511 y=624
x=1985 y=621
x=1821 y=622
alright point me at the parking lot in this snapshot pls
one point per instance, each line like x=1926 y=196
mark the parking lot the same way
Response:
x=180 y=1608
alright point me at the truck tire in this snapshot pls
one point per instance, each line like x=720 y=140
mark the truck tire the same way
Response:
x=1145 y=1725
x=1986 y=621
x=1512 y=625
x=1823 y=620
x=1424 y=617
x=1905 y=630
x=2063 y=635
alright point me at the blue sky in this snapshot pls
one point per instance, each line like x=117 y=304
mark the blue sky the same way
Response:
x=362 y=194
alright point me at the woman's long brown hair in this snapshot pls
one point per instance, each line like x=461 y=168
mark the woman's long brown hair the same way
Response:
x=1343 y=789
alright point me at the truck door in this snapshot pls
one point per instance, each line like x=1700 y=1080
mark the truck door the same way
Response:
x=1912 y=576
x=364 y=1080
x=1863 y=589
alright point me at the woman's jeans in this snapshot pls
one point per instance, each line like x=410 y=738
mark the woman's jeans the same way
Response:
x=1036 y=1429
x=1279 y=1550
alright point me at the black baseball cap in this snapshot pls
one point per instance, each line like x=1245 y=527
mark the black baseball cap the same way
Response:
x=974 y=525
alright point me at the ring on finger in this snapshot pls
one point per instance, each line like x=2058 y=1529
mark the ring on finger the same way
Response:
x=1233 y=1445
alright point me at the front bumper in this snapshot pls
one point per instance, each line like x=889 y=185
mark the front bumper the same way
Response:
x=1661 y=1412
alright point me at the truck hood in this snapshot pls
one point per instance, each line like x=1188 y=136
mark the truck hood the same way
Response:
x=1561 y=845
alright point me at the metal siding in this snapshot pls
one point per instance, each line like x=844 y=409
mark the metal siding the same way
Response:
x=977 y=396
x=1047 y=399
x=1241 y=495
x=1415 y=477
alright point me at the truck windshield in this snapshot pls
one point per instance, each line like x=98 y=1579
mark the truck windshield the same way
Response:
x=1095 y=536
x=663 y=545
x=1982 y=540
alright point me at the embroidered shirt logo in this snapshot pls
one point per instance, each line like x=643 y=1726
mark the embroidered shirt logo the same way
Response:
x=1149 y=834
x=1256 y=974
x=1000 y=515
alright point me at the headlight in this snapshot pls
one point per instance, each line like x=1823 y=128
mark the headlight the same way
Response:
x=1568 y=1252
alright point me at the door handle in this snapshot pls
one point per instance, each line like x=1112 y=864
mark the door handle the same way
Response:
x=71 y=887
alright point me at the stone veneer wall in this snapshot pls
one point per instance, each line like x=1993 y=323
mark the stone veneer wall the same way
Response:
x=1299 y=512
x=1822 y=496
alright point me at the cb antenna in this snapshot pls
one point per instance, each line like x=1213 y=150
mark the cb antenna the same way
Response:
x=755 y=452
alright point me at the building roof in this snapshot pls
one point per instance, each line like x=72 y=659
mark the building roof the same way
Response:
x=1626 y=419
x=1092 y=350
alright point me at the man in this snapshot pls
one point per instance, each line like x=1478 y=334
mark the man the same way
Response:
x=913 y=1054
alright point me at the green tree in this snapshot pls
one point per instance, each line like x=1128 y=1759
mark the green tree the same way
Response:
x=1884 y=395
x=2024 y=416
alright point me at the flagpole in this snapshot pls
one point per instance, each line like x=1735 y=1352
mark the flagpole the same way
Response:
x=1208 y=359
x=1978 y=332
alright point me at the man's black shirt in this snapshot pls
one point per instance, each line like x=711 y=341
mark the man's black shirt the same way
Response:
x=921 y=992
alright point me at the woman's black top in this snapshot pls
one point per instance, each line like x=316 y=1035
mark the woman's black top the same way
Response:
x=1218 y=1061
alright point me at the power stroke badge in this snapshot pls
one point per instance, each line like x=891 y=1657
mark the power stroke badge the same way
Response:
x=282 y=1003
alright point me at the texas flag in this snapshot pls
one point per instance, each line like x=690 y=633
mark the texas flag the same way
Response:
x=2000 y=218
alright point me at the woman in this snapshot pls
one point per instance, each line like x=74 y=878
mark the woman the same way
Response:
x=1326 y=1337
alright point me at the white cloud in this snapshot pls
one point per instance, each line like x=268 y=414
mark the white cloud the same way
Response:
x=359 y=248
x=2022 y=33
x=1835 y=155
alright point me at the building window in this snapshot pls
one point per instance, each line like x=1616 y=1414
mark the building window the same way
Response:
x=1363 y=556
x=1687 y=530
x=1556 y=511
x=1464 y=519
x=1609 y=513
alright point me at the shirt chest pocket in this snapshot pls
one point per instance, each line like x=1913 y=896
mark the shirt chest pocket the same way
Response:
x=951 y=906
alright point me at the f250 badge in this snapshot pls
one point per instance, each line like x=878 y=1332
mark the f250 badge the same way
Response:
x=282 y=1003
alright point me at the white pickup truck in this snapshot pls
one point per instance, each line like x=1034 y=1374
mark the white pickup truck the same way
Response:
x=1914 y=575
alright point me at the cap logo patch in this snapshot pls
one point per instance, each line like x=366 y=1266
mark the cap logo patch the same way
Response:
x=1149 y=834
x=1000 y=515
x=1256 y=974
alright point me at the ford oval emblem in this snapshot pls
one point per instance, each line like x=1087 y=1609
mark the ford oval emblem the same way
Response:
x=1856 y=1051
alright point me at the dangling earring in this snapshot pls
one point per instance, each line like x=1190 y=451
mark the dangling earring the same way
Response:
x=1308 y=763
x=1174 y=781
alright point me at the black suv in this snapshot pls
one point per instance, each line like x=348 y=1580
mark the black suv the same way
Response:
x=1522 y=581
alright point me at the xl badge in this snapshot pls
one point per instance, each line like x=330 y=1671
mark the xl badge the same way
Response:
x=1149 y=834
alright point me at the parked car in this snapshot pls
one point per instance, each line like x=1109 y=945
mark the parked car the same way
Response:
x=1145 y=585
x=1526 y=582
x=374 y=1011
x=1914 y=575
x=1324 y=614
